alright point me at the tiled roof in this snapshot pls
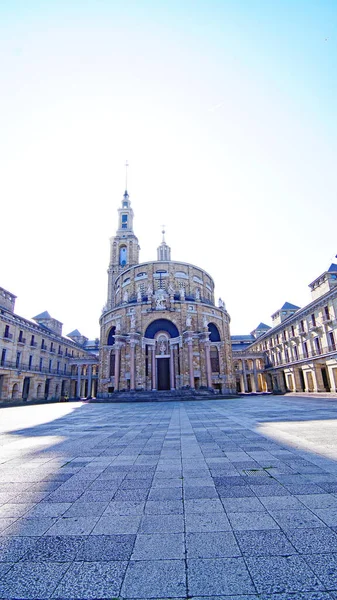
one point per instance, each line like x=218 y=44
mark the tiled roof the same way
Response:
x=289 y=306
x=43 y=315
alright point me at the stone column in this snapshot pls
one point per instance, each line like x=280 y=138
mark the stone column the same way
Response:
x=318 y=379
x=78 y=388
x=333 y=385
x=208 y=365
x=190 y=362
x=89 y=380
x=132 y=366
x=172 y=378
x=255 y=378
x=244 y=375
x=153 y=367
x=117 y=366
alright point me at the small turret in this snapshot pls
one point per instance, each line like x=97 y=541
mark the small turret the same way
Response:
x=163 y=251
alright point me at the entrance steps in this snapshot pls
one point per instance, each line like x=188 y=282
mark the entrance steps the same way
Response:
x=162 y=396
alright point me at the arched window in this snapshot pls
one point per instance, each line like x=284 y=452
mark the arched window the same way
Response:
x=214 y=332
x=111 y=336
x=215 y=359
x=123 y=256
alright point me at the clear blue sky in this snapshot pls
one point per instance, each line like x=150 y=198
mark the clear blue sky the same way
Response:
x=226 y=112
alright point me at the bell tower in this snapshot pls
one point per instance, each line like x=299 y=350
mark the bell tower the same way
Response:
x=124 y=247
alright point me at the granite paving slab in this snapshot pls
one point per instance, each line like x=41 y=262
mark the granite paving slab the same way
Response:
x=282 y=574
x=155 y=579
x=32 y=580
x=91 y=580
x=225 y=576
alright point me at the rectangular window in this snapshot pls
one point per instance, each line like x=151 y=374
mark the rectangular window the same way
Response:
x=18 y=358
x=65 y=369
x=305 y=350
x=3 y=357
x=43 y=345
x=20 y=336
x=6 y=334
x=52 y=347
x=293 y=331
x=302 y=327
x=313 y=320
x=50 y=365
x=295 y=353
x=332 y=343
x=41 y=364
x=58 y=366
x=326 y=312
x=317 y=342
x=277 y=339
x=286 y=352
x=32 y=341
x=30 y=361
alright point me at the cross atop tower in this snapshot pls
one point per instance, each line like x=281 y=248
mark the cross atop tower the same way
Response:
x=126 y=175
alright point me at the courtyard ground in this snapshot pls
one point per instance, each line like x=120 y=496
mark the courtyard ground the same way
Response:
x=226 y=499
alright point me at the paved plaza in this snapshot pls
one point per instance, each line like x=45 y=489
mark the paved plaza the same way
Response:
x=225 y=499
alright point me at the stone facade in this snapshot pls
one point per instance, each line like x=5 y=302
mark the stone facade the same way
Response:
x=160 y=328
x=37 y=362
x=299 y=353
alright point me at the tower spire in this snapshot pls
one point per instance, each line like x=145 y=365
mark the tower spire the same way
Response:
x=126 y=175
x=163 y=251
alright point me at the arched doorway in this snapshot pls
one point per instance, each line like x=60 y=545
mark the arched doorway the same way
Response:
x=15 y=391
x=162 y=363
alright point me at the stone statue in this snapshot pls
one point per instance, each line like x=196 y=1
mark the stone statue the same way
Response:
x=205 y=322
x=160 y=301
x=197 y=295
x=182 y=293
x=139 y=295
x=188 y=321
x=118 y=326
x=133 y=321
x=162 y=347
x=125 y=296
x=222 y=304
x=150 y=291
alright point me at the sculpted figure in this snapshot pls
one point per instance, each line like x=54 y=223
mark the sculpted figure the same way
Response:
x=149 y=291
x=182 y=293
x=139 y=295
x=133 y=321
x=125 y=296
x=205 y=322
x=160 y=302
x=188 y=321
x=197 y=295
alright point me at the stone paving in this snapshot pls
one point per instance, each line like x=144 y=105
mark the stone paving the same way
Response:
x=225 y=499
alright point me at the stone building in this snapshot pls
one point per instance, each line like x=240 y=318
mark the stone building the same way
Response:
x=38 y=362
x=299 y=352
x=160 y=328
